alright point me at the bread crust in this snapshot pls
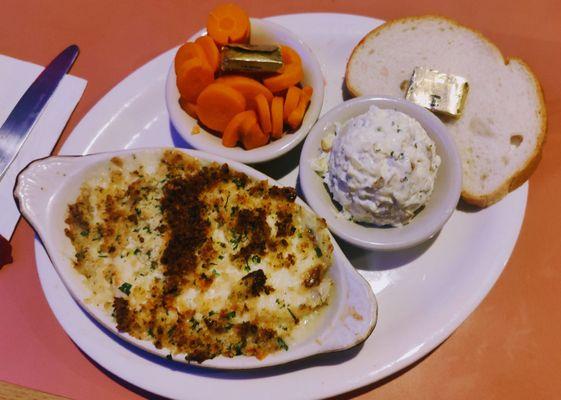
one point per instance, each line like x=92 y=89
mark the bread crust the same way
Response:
x=523 y=173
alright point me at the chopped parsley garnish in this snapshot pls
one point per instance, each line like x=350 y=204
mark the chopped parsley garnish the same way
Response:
x=256 y=259
x=281 y=343
x=125 y=288
x=238 y=182
x=211 y=313
x=236 y=239
x=136 y=251
x=220 y=257
x=318 y=252
x=85 y=233
x=231 y=315
x=215 y=272
x=238 y=347
x=294 y=317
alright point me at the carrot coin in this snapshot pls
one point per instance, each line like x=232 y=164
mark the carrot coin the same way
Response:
x=186 y=52
x=218 y=104
x=264 y=113
x=193 y=76
x=292 y=97
x=297 y=115
x=232 y=132
x=247 y=86
x=277 y=117
x=210 y=50
x=228 y=23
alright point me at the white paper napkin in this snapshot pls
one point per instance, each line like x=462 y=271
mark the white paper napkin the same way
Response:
x=15 y=77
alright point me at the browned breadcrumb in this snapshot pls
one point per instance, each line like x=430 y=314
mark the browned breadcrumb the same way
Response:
x=182 y=207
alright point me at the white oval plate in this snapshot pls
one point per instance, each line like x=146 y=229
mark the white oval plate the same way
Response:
x=262 y=32
x=46 y=187
x=423 y=293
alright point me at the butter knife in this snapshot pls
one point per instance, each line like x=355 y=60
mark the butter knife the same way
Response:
x=19 y=123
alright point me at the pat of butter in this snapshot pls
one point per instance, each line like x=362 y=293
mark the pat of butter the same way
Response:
x=251 y=58
x=437 y=91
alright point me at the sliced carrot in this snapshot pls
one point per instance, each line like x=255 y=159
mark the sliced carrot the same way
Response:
x=297 y=115
x=228 y=23
x=292 y=97
x=210 y=50
x=291 y=75
x=247 y=86
x=232 y=133
x=188 y=107
x=249 y=121
x=188 y=51
x=276 y=117
x=193 y=76
x=253 y=136
x=263 y=112
x=218 y=104
x=290 y=56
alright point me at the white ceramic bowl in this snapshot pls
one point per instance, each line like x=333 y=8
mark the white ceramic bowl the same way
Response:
x=262 y=32
x=46 y=187
x=427 y=222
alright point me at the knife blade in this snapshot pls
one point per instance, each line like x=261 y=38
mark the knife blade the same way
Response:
x=19 y=123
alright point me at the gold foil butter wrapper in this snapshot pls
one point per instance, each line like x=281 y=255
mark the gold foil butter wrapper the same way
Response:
x=437 y=91
x=251 y=58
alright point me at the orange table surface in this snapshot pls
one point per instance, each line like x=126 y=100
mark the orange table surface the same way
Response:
x=508 y=348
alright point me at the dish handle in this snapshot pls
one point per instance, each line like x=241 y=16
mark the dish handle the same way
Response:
x=356 y=317
x=37 y=184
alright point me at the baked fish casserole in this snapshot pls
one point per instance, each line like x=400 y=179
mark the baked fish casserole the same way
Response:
x=197 y=258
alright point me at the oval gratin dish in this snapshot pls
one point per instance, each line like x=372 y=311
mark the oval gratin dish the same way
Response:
x=47 y=187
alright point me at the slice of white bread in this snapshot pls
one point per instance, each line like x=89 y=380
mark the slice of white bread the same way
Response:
x=501 y=132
